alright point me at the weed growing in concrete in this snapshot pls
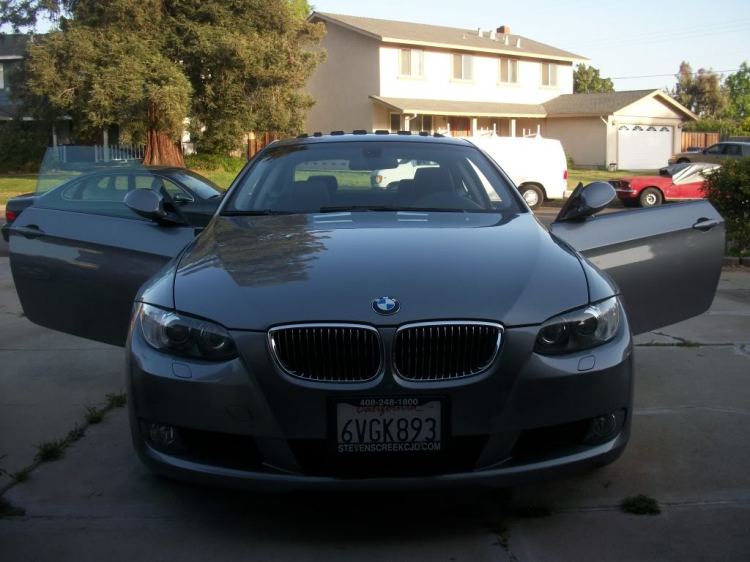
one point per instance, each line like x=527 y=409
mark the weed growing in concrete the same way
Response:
x=116 y=400
x=75 y=434
x=94 y=415
x=640 y=505
x=7 y=510
x=20 y=475
x=49 y=451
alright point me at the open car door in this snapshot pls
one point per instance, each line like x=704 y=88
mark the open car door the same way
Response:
x=79 y=255
x=665 y=260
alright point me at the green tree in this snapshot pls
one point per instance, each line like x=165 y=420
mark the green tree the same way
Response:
x=586 y=80
x=701 y=91
x=146 y=65
x=683 y=90
x=738 y=91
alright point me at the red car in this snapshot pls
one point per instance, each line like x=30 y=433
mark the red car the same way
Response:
x=674 y=183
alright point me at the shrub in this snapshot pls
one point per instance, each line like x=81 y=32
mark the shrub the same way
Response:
x=728 y=189
x=215 y=163
x=23 y=145
x=570 y=161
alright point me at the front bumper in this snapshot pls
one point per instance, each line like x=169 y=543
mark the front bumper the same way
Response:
x=257 y=428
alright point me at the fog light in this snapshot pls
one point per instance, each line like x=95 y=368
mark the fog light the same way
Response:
x=161 y=434
x=602 y=426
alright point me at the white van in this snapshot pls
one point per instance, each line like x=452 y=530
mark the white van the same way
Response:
x=405 y=171
x=536 y=165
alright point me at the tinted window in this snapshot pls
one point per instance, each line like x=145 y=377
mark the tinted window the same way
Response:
x=102 y=193
x=733 y=150
x=308 y=178
x=202 y=187
x=715 y=149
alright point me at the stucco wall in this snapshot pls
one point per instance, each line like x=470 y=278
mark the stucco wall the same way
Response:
x=584 y=138
x=438 y=84
x=342 y=84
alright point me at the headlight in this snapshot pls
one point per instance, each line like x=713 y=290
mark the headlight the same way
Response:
x=586 y=327
x=177 y=334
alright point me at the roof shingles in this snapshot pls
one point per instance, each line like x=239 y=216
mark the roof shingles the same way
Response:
x=447 y=36
x=593 y=104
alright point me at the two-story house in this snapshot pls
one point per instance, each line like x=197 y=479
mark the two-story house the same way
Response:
x=390 y=75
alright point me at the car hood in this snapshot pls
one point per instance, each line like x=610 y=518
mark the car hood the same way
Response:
x=256 y=272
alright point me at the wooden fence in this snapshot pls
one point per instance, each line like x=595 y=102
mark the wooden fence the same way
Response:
x=701 y=140
x=258 y=141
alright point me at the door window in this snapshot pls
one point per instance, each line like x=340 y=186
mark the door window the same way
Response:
x=104 y=194
x=715 y=149
x=732 y=150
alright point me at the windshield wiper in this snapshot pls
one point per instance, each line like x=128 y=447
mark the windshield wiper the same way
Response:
x=388 y=208
x=261 y=213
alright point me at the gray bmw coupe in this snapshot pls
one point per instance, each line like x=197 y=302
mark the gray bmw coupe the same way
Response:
x=320 y=332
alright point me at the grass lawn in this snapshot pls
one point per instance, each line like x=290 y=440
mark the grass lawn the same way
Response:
x=219 y=177
x=589 y=176
x=13 y=185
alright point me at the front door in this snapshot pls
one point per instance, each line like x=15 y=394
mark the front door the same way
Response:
x=665 y=260
x=460 y=126
x=79 y=255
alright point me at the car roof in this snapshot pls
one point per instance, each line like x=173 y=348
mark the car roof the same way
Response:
x=734 y=142
x=360 y=136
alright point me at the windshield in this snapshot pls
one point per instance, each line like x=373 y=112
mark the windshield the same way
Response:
x=314 y=178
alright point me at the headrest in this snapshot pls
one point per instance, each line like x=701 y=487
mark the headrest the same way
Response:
x=432 y=180
x=331 y=183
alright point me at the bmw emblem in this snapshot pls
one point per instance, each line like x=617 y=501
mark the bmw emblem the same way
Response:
x=386 y=305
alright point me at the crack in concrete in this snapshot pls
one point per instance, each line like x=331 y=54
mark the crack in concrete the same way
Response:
x=678 y=504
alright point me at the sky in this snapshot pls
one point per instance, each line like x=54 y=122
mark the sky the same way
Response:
x=623 y=38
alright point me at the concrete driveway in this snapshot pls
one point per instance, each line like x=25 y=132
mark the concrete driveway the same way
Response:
x=689 y=451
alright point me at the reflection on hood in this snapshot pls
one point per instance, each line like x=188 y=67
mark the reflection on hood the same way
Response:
x=257 y=251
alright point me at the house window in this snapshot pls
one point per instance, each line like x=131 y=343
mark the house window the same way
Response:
x=462 y=67
x=549 y=74
x=395 y=122
x=412 y=62
x=420 y=123
x=508 y=71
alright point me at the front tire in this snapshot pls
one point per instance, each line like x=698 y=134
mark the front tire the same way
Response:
x=533 y=195
x=650 y=197
x=683 y=161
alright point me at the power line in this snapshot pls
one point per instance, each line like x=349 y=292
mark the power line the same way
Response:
x=663 y=39
x=672 y=74
x=680 y=30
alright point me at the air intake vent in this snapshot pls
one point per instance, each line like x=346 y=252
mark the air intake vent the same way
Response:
x=328 y=352
x=445 y=350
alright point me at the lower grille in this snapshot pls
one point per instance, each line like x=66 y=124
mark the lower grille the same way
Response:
x=615 y=184
x=445 y=350
x=328 y=352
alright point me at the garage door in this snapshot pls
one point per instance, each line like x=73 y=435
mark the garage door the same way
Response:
x=643 y=147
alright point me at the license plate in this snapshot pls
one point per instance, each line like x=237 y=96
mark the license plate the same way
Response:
x=384 y=425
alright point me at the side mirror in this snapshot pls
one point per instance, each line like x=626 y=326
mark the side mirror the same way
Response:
x=146 y=203
x=587 y=201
